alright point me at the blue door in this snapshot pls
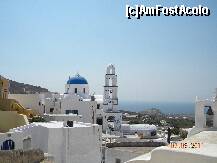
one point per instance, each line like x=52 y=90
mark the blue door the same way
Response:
x=8 y=145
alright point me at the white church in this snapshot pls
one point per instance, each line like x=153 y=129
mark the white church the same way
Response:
x=77 y=100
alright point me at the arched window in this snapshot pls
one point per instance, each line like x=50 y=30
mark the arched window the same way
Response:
x=209 y=116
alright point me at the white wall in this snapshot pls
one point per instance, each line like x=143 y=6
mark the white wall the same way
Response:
x=85 y=108
x=63 y=117
x=166 y=155
x=143 y=129
x=124 y=155
x=28 y=101
x=70 y=88
x=78 y=144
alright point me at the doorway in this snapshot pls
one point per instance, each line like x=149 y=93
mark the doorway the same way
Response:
x=208 y=116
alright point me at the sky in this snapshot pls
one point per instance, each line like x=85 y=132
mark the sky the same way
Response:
x=162 y=59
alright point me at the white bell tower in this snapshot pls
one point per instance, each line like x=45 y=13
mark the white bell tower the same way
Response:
x=110 y=100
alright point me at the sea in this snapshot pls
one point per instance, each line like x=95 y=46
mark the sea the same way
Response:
x=164 y=107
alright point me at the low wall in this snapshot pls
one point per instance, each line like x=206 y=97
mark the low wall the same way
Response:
x=206 y=154
x=20 y=156
x=11 y=119
x=178 y=156
x=135 y=144
x=62 y=117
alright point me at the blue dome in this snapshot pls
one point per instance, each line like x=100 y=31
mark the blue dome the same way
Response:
x=77 y=79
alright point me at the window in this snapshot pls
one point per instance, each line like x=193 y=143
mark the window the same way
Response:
x=99 y=121
x=71 y=112
x=111 y=119
x=51 y=110
x=98 y=106
x=153 y=133
x=27 y=143
x=76 y=90
x=84 y=90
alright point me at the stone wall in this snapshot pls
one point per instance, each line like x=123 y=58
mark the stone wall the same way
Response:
x=20 y=156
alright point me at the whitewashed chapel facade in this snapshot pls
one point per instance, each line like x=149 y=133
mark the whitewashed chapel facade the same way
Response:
x=205 y=115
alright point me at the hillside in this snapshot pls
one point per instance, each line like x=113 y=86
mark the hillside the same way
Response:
x=21 y=88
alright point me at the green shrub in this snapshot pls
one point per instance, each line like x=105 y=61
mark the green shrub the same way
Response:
x=37 y=119
x=183 y=134
x=175 y=131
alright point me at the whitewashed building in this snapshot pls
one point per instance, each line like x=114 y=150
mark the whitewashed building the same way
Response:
x=100 y=109
x=66 y=142
x=144 y=130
